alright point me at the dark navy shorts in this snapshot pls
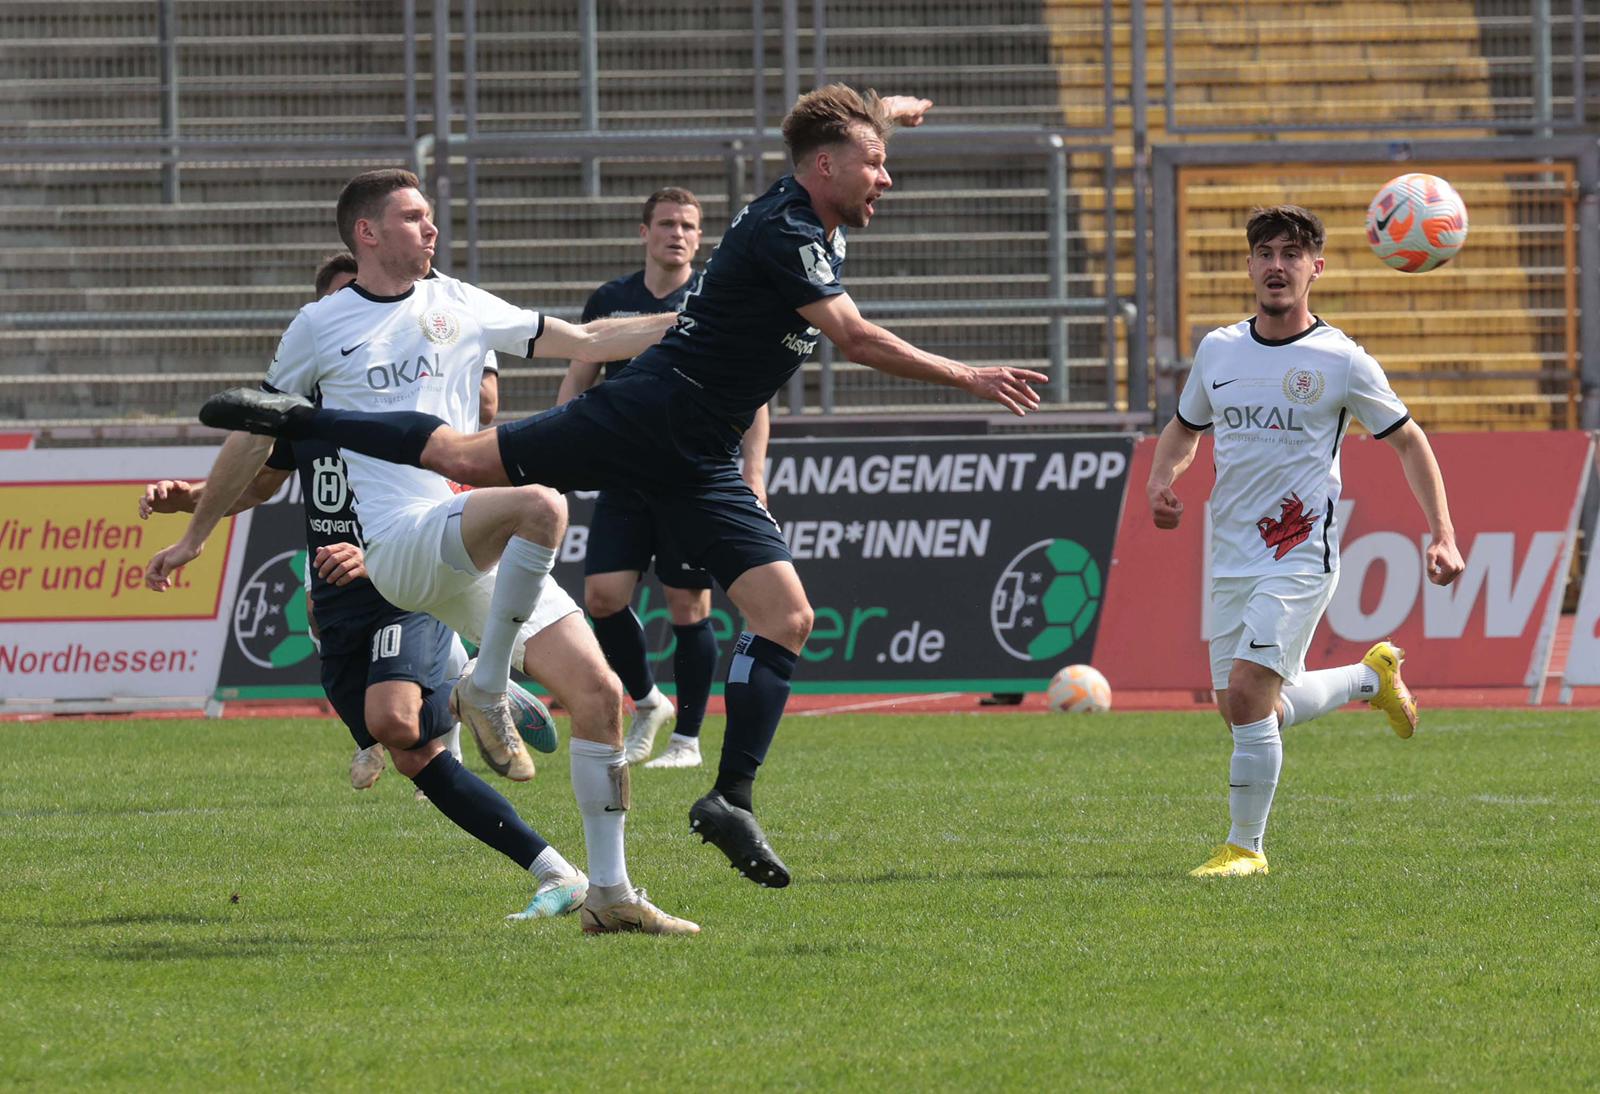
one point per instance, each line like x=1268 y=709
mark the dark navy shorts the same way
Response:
x=623 y=536
x=638 y=431
x=380 y=645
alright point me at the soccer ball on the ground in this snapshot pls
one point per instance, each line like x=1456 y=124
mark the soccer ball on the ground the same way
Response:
x=1416 y=222
x=1079 y=689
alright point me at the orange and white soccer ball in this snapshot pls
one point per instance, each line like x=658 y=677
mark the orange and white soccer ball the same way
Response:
x=1078 y=689
x=1416 y=222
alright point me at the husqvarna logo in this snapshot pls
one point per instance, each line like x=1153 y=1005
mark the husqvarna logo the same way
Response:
x=329 y=488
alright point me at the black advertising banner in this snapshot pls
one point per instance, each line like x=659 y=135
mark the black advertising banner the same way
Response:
x=269 y=653
x=933 y=564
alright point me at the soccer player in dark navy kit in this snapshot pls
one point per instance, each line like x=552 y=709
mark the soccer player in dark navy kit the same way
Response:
x=669 y=424
x=623 y=536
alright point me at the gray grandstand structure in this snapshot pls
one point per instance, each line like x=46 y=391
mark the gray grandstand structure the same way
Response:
x=169 y=168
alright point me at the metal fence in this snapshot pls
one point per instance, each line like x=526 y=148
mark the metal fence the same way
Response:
x=1019 y=230
x=1507 y=338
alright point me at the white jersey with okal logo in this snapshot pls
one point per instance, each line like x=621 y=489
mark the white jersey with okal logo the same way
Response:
x=1280 y=410
x=424 y=350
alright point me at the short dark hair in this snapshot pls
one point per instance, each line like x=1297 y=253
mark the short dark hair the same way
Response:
x=339 y=262
x=363 y=198
x=1301 y=225
x=826 y=116
x=675 y=195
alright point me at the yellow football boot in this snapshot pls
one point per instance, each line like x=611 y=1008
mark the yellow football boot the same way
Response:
x=1393 y=698
x=1231 y=861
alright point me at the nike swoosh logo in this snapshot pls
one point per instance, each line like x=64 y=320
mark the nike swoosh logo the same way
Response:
x=1261 y=645
x=1223 y=383
x=614 y=809
x=1383 y=221
x=347 y=352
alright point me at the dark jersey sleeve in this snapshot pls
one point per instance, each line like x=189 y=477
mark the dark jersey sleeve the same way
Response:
x=792 y=251
x=281 y=458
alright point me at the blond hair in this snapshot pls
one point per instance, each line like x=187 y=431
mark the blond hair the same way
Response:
x=827 y=116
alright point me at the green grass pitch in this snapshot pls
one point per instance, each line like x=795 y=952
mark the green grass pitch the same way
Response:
x=980 y=903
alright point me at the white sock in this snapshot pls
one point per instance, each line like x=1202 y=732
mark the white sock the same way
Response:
x=452 y=741
x=680 y=739
x=550 y=864
x=598 y=789
x=655 y=698
x=517 y=584
x=1252 y=779
x=1319 y=692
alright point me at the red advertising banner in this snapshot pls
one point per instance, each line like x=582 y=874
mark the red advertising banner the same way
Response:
x=1513 y=498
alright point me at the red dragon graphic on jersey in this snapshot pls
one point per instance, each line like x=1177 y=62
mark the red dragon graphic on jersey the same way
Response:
x=1291 y=528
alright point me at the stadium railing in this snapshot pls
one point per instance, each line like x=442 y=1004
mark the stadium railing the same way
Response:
x=261 y=73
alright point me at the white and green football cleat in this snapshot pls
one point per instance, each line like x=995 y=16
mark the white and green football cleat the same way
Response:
x=559 y=895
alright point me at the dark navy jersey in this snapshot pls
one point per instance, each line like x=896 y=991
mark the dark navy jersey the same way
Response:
x=628 y=296
x=330 y=518
x=739 y=338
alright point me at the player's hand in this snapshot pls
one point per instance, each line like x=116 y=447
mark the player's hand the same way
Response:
x=1165 y=507
x=340 y=563
x=1007 y=386
x=758 y=487
x=167 y=496
x=159 y=571
x=906 y=110
x=1444 y=561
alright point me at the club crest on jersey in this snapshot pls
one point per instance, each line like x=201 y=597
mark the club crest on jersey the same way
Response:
x=439 y=326
x=329 y=490
x=1289 y=529
x=1304 y=385
x=818 y=269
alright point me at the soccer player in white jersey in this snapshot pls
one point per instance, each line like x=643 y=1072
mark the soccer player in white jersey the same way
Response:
x=1280 y=389
x=403 y=337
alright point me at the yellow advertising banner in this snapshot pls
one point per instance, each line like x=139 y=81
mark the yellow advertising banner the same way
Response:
x=75 y=551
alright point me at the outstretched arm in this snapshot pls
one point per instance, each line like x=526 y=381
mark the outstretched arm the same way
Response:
x=237 y=464
x=602 y=339
x=869 y=344
x=178 y=496
x=1174 y=453
x=1427 y=485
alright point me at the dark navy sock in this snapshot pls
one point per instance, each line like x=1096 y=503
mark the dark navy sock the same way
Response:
x=622 y=640
x=756 y=691
x=435 y=718
x=478 y=809
x=395 y=436
x=694 y=663
x=362 y=738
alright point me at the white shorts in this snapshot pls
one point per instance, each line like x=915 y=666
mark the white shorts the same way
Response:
x=1266 y=619
x=408 y=567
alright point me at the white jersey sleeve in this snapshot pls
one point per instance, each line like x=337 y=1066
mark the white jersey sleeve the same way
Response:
x=1371 y=399
x=294 y=366
x=506 y=327
x=491 y=363
x=1194 y=402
